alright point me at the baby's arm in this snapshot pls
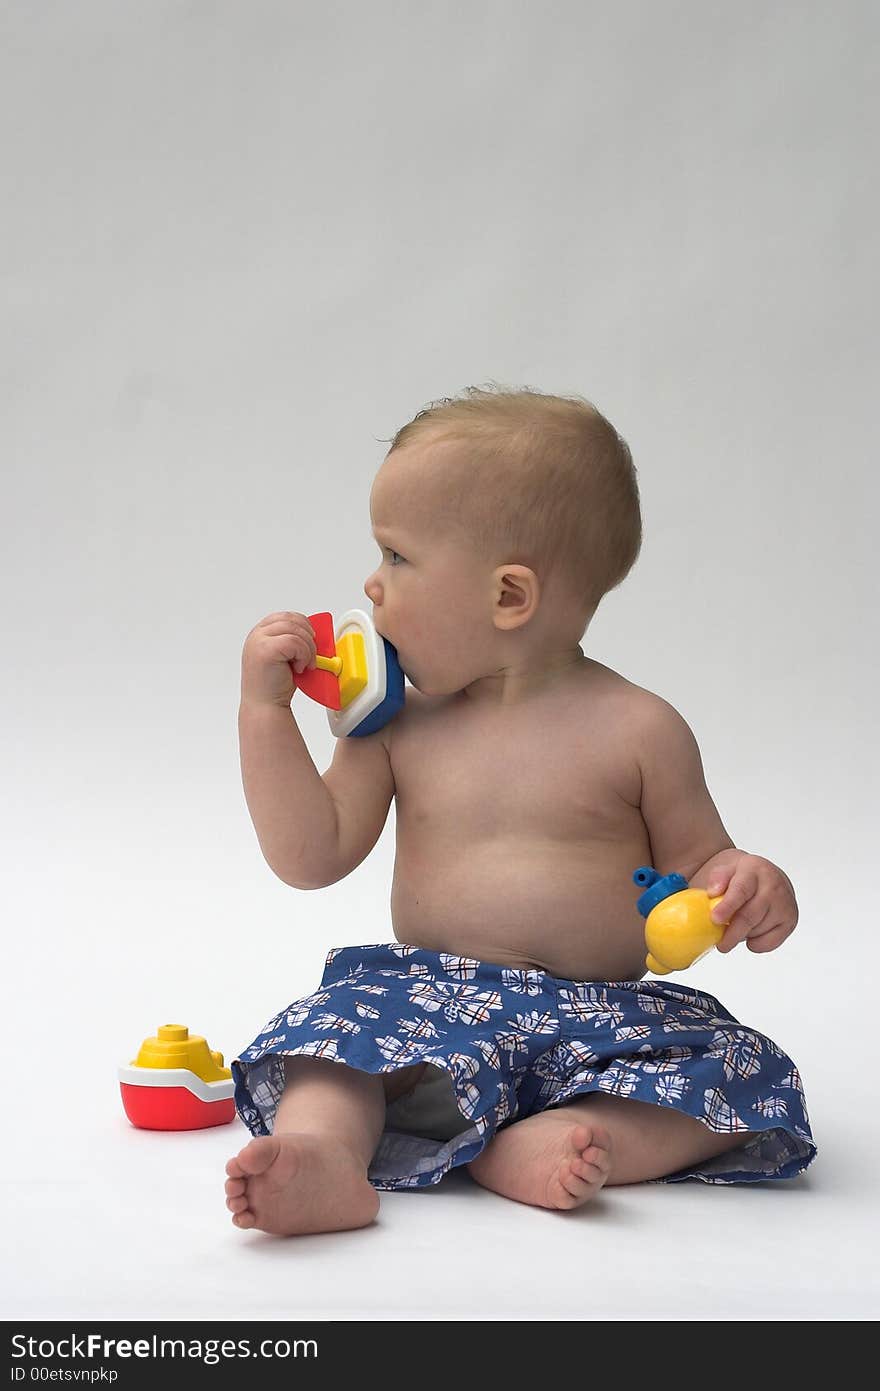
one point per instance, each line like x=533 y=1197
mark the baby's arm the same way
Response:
x=361 y=786
x=313 y=830
x=688 y=837
x=686 y=833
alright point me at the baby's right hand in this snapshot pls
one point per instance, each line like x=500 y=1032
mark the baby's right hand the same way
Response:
x=270 y=648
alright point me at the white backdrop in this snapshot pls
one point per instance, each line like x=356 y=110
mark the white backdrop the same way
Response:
x=241 y=245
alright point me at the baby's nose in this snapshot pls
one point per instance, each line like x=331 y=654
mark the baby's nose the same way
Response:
x=372 y=589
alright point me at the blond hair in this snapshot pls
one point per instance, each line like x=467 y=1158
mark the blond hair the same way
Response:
x=544 y=481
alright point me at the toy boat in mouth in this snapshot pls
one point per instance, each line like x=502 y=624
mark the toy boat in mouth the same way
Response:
x=177 y=1082
x=357 y=674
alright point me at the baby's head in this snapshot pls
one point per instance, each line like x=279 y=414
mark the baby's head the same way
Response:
x=503 y=517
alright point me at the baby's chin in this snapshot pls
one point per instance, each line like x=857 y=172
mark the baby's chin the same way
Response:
x=417 y=683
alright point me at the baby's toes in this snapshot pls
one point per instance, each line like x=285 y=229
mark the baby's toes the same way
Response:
x=592 y=1144
x=574 y=1183
x=580 y=1168
x=599 y=1137
x=594 y=1163
x=565 y=1188
x=234 y=1187
x=233 y=1168
x=237 y=1204
x=243 y=1219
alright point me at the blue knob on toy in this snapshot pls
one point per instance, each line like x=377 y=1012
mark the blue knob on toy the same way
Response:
x=657 y=887
x=356 y=675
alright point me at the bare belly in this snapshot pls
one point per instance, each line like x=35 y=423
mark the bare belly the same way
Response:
x=518 y=831
x=563 y=909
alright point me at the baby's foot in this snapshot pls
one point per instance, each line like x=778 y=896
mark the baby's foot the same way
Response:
x=289 y=1184
x=546 y=1160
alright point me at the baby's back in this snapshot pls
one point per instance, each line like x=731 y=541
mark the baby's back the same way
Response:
x=518 y=827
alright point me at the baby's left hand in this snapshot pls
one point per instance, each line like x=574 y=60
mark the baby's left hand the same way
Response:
x=759 y=906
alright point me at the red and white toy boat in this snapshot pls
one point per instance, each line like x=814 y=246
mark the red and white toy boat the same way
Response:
x=177 y=1082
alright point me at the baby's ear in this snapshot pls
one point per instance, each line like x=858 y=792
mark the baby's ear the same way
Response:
x=517 y=595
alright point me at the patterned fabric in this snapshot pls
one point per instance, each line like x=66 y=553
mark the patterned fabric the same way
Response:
x=516 y=1042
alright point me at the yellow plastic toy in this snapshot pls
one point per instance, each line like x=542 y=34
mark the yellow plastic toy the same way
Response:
x=679 y=930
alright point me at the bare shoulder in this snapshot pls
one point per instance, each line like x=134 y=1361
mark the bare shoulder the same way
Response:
x=654 y=726
x=607 y=691
x=621 y=697
x=626 y=713
x=649 y=725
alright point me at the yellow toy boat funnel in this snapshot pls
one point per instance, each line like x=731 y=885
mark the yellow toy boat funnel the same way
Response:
x=174 y=1046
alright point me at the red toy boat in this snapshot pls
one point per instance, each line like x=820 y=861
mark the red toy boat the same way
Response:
x=177 y=1083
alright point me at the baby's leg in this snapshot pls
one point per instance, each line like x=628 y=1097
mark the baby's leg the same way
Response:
x=311 y=1174
x=564 y=1155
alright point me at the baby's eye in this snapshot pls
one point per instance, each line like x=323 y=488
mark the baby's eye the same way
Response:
x=393 y=554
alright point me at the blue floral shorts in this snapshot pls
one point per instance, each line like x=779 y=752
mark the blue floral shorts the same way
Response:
x=506 y=1044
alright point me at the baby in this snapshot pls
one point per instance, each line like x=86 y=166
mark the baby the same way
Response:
x=508 y=1027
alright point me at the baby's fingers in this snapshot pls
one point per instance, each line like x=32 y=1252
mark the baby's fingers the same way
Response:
x=740 y=891
x=768 y=939
x=743 y=924
x=286 y=623
x=302 y=655
x=299 y=637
